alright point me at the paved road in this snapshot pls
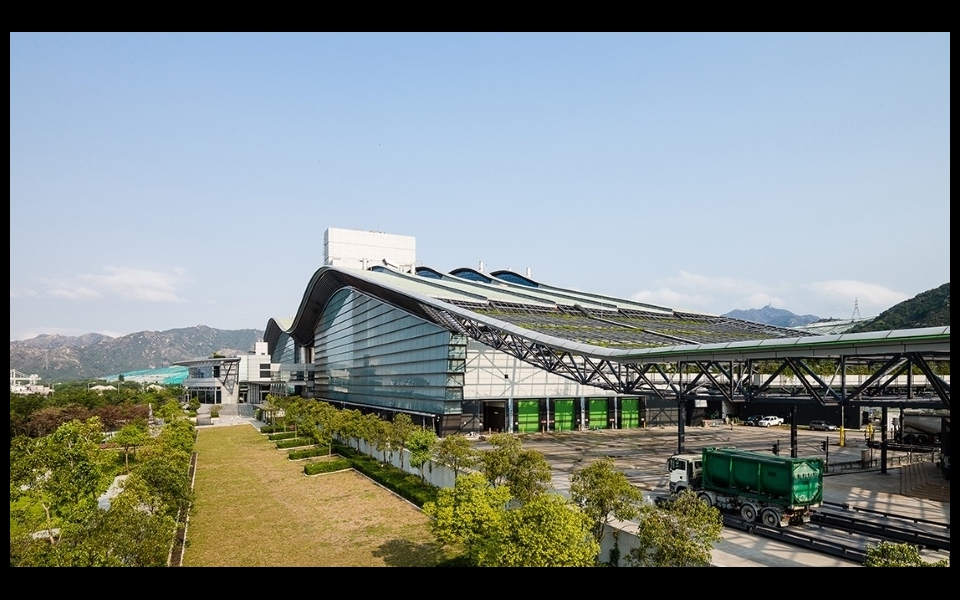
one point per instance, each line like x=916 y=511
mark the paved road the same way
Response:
x=642 y=453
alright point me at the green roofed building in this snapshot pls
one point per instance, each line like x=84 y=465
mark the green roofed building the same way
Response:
x=472 y=351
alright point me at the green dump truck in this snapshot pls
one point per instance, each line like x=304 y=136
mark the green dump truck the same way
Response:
x=774 y=490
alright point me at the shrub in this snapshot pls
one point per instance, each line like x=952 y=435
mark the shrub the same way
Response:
x=214 y=412
x=309 y=453
x=326 y=466
x=295 y=442
x=283 y=435
x=407 y=485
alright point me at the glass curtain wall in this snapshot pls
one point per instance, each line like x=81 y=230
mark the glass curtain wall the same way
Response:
x=372 y=354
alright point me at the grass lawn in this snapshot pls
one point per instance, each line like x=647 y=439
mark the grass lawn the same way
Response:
x=255 y=507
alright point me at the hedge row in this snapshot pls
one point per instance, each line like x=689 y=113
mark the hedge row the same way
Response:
x=284 y=435
x=326 y=466
x=405 y=484
x=296 y=442
x=309 y=453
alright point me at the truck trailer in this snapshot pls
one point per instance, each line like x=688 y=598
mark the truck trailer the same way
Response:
x=919 y=428
x=776 y=490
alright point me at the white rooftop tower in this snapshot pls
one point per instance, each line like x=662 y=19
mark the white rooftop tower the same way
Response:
x=354 y=249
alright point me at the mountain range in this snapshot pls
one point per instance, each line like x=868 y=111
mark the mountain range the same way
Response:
x=769 y=315
x=92 y=356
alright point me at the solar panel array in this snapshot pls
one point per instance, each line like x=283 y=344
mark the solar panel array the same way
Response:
x=628 y=329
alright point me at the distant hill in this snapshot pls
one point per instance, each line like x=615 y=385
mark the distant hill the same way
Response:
x=928 y=309
x=92 y=356
x=776 y=317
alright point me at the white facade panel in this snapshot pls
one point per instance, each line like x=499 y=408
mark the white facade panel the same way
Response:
x=355 y=249
x=492 y=374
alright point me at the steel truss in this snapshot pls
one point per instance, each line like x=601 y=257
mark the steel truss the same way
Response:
x=736 y=380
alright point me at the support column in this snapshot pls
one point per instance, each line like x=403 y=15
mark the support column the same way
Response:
x=883 y=440
x=793 y=431
x=681 y=424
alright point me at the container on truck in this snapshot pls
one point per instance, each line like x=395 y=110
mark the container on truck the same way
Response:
x=774 y=490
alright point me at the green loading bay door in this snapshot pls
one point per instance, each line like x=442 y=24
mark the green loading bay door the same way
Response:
x=629 y=413
x=597 y=411
x=528 y=416
x=563 y=414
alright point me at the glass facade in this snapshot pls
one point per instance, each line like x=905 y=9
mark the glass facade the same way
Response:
x=367 y=352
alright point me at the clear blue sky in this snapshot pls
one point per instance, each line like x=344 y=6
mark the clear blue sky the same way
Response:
x=160 y=181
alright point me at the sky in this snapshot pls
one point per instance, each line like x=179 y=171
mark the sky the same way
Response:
x=167 y=180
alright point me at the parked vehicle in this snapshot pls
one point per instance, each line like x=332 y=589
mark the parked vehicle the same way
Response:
x=776 y=490
x=752 y=419
x=822 y=426
x=769 y=422
x=919 y=428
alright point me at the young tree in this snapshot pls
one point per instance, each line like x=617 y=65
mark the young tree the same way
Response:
x=498 y=462
x=530 y=476
x=456 y=452
x=680 y=534
x=380 y=435
x=604 y=494
x=327 y=419
x=889 y=554
x=296 y=412
x=130 y=437
x=400 y=432
x=351 y=425
x=421 y=444
x=546 y=531
x=525 y=473
x=164 y=468
x=468 y=515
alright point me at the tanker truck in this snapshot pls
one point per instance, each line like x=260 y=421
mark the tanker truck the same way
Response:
x=774 y=490
x=919 y=428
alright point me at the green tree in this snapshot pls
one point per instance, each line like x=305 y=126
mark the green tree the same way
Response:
x=379 y=435
x=400 y=432
x=421 y=444
x=679 y=534
x=132 y=532
x=498 y=462
x=530 y=476
x=130 y=437
x=889 y=554
x=468 y=515
x=546 y=531
x=456 y=452
x=164 y=466
x=605 y=494
x=525 y=472
x=296 y=412
x=352 y=425
x=60 y=473
x=327 y=419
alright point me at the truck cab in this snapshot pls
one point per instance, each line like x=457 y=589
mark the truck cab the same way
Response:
x=685 y=470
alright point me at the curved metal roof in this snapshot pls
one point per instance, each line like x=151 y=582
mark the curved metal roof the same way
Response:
x=609 y=342
x=630 y=336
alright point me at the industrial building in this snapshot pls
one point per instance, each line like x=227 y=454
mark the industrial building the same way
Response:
x=472 y=351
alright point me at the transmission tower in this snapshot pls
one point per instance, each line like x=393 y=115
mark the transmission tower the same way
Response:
x=856 y=311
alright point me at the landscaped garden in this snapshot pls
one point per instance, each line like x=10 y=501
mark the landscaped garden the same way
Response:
x=255 y=507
